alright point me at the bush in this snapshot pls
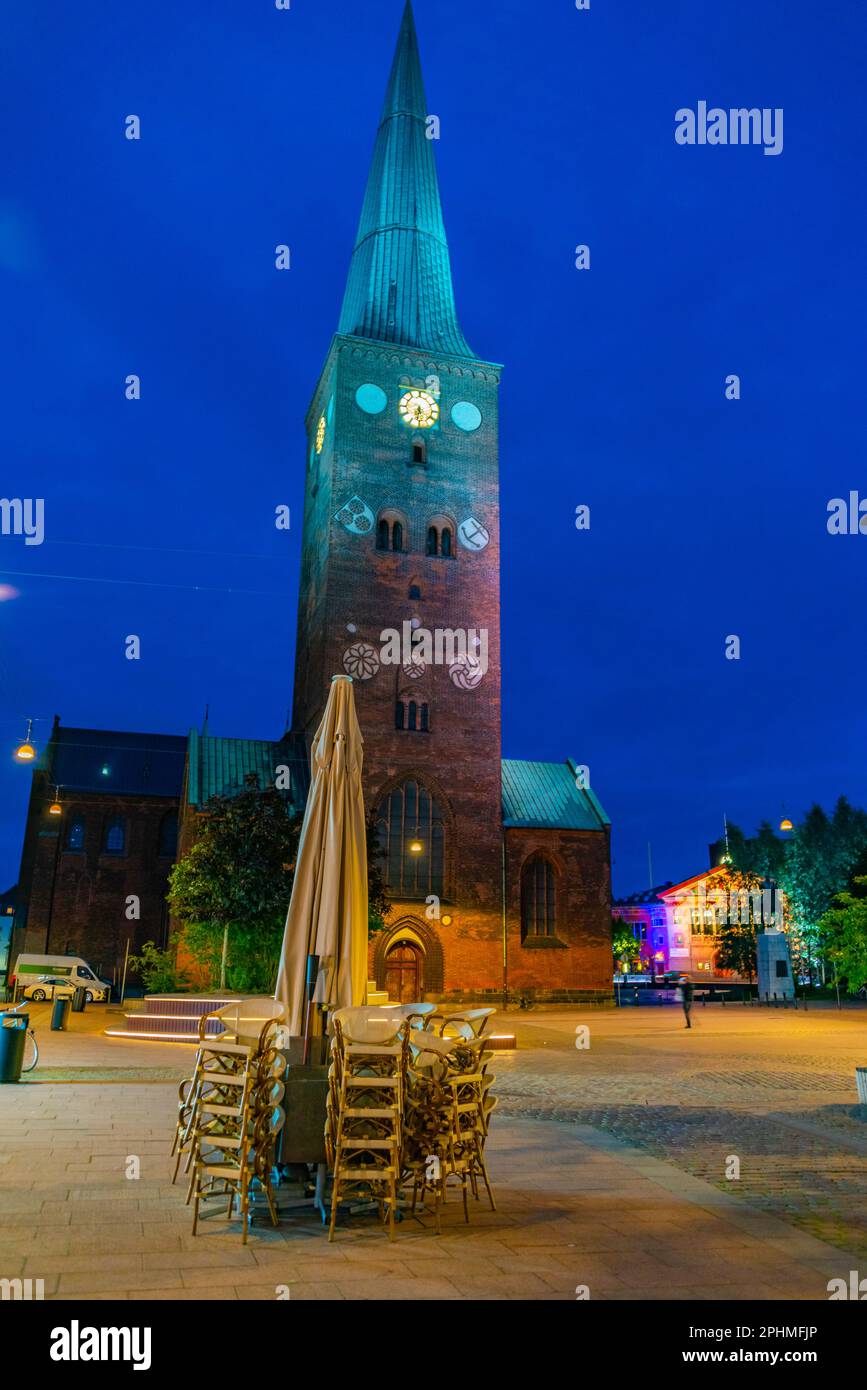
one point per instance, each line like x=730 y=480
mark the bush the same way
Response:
x=159 y=970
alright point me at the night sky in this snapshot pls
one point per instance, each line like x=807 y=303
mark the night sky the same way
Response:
x=708 y=517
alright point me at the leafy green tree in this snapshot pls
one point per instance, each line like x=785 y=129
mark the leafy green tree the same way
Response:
x=820 y=858
x=623 y=944
x=234 y=885
x=232 y=889
x=842 y=933
x=378 y=906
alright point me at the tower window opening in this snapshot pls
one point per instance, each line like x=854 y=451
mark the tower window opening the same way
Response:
x=432 y=541
x=413 y=711
x=446 y=541
x=382 y=535
x=397 y=536
x=414 y=591
x=419 y=453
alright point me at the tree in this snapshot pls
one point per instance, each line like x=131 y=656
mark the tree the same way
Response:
x=842 y=933
x=820 y=858
x=234 y=885
x=623 y=943
x=736 y=946
x=378 y=906
x=232 y=888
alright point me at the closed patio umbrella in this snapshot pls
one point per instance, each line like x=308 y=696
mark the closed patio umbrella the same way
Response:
x=327 y=914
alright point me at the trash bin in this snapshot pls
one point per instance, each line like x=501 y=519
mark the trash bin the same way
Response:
x=59 y=1015
x=79 y=999
x=13 y=1036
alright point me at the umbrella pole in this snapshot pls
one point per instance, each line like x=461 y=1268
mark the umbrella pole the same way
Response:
x=309 y=987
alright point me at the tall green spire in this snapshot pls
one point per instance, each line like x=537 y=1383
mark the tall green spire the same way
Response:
x=400 y=282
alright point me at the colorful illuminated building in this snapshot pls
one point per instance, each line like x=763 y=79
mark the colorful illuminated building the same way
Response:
x=647 y=916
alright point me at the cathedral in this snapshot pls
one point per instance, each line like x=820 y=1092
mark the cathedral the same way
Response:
x=498 y=870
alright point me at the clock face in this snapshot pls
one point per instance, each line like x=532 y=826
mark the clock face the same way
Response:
x=466 y=416
x=320 y=434
x=418 y=409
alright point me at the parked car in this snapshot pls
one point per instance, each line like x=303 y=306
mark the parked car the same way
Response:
x=48 y=987
x=33 y=969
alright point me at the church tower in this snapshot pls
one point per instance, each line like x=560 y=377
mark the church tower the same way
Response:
x=400 y=564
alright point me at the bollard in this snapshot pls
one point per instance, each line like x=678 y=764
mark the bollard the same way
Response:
x=79 y=999
x=59 y=1015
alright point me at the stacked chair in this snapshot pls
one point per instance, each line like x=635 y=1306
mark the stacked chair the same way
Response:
x=448 y=1115
x=366 y=1081
x=229 y=1110
x=409 y=1106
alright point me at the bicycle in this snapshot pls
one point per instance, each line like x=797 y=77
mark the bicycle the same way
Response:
x=31 y=1047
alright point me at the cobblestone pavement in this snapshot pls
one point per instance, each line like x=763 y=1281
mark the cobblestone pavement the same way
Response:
x=607 y=1164
x=773 y=1088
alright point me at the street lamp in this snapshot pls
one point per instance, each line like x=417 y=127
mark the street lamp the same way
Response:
x=416 y=847
x=25 y=752
x=786 y=824
x=55 y=809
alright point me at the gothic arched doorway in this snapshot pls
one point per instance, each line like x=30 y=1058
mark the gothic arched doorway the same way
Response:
x=404 y=973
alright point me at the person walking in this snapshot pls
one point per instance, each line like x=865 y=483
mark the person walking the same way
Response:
x=684 y=994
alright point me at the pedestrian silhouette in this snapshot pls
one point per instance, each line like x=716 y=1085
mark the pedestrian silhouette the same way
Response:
x=684 y=995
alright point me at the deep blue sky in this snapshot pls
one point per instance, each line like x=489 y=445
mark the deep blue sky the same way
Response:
x=708 y=517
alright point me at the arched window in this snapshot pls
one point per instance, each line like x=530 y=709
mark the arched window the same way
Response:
x=412 y=714
x=168 y=845
x=75 y=834
x=414 y=591
x=440 y=537
x=424 y=719
x=115 y=836
x=391 y=529
x=398 y=715
x=412 y=838
x=538 y=897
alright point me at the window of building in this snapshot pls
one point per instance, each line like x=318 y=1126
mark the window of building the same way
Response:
x=115 y=836
x=414 y=591
x=412 y=715
x=440 y=537
x=168 y=844
x=538 y=898
x=75 y=834
x=419 y=453
x=391 y=530
x=411 y=834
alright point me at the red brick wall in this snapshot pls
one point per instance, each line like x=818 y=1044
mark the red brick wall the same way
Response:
x=581 y=967
x=76 y=901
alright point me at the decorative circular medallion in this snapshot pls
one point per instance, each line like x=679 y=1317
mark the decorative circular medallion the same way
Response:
x=466 y=416
x=361 y=661
x=320 y=434
x=418 y=409
x=371 y=398
x=414 y=670
x=466 y=673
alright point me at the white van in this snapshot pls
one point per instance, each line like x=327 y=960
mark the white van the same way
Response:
x=72 y=969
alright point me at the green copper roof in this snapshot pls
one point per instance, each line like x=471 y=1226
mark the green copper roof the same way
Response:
x=545 y=795
x=220 y=766
x=400 y=281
